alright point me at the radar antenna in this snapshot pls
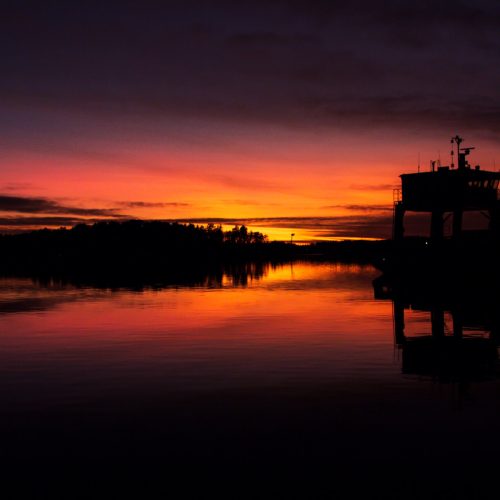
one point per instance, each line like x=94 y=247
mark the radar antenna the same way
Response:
x=455 y=140
x=462 y=153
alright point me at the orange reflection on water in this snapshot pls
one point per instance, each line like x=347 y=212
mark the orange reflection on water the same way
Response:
x=300 y=294
x=297 y=320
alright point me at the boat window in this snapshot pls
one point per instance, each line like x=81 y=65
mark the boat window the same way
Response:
x=474 y=184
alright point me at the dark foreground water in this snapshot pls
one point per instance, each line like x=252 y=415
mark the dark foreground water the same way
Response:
x=287 y=380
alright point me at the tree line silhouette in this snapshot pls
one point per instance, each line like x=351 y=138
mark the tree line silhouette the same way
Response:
x=133 y=244
x=139 y=251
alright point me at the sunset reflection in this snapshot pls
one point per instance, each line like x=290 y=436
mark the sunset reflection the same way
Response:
x=297 y=320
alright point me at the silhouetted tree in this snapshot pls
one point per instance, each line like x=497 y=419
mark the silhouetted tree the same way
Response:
x=242 y=236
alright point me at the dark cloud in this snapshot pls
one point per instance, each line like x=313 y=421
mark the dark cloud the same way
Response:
x=366 y=225
x=44 y=206
x=14 y=222
x=379 y=226
x=355 y=227
x=51 y=213
x=315 y=63
x=351 y=226
x=362 y=208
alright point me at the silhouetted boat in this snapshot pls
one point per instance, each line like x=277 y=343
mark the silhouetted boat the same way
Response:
x=455 y=276
x=447 y=192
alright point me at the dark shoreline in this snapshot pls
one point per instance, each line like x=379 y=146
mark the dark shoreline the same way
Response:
x=137 y=253
x=152 y=253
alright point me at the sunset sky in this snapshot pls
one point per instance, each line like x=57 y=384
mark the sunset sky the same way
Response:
x=288 y=116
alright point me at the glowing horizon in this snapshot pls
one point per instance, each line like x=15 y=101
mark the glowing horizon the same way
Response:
x=197 y=112
x=313 y=186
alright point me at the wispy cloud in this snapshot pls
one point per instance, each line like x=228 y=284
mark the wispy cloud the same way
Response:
x=33 y=205
x=372 y=187
x=16 y=186
x=248 y=183
x=364 y=225
x=42 y=221
x=147 y=204
x=361 y=208
x=349 y=226
x=253 y=202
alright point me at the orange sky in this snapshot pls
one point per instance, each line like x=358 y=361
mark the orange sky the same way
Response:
x=201 y=170
x=286 y=116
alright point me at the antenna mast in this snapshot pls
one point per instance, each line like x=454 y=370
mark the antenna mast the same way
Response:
x=457 y=140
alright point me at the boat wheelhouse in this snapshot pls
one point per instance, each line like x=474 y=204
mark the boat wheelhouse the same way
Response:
x=445 y=191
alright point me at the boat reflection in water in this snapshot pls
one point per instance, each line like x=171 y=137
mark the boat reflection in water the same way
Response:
x=462 y=344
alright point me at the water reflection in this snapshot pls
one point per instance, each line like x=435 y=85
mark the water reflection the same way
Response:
x=259 y=326
x=240 y=371
x=43 y=292
x=448 y=334
x=235 y=274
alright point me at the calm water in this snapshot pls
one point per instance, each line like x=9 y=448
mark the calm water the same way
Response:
x=293 y=368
